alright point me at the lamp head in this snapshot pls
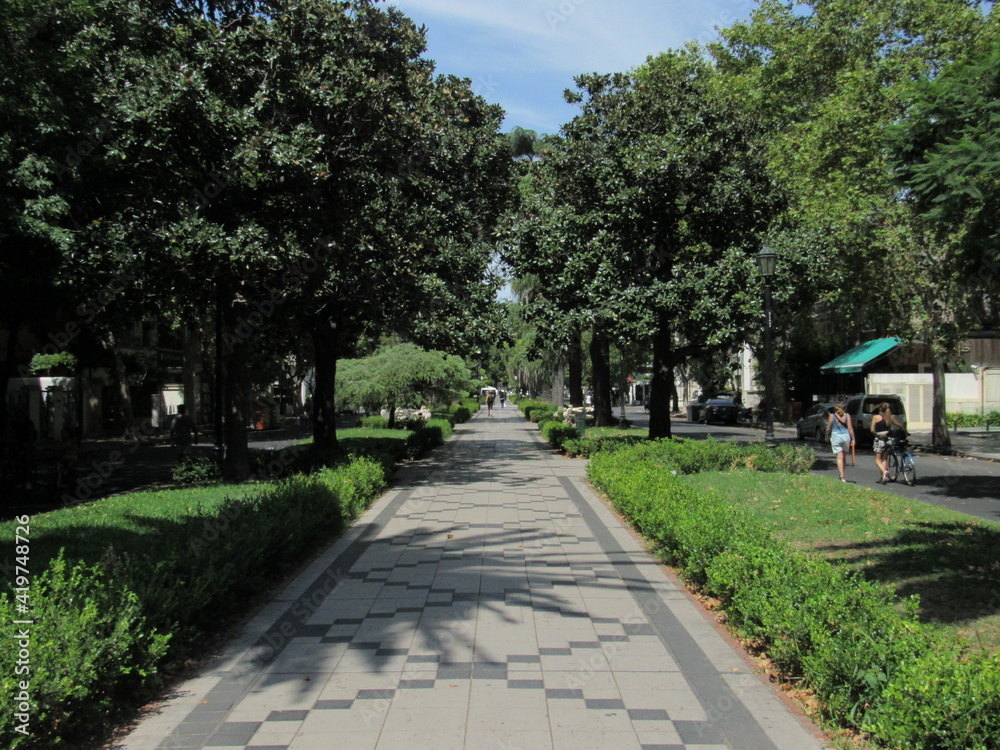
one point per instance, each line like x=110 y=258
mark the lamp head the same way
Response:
x=767 y=261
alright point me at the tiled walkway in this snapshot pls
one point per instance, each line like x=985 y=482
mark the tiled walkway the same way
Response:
x=488 y=602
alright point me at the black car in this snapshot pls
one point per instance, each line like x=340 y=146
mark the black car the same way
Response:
x=722 y=410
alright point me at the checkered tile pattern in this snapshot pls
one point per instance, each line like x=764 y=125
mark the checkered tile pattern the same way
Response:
x=484 y=611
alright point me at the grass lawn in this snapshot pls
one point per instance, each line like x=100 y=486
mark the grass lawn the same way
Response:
x=950 y=560
x=131 y=522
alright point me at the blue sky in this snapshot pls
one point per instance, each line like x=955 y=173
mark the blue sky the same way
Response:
x=522 y=54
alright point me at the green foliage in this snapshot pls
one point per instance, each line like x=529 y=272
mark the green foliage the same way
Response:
x=963 y=419
x=868 y=659
x=402 y=375
x=197 y=470
x=374 y=422
x=91 y=648
x=44 y=363
x=595 y=442
x=101 y=628
x=695 y=456
x=964 y=713
x=557 y=432
x=538 y=410
x=946 y=150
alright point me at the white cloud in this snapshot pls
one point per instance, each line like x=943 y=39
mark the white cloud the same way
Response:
x=509 y=41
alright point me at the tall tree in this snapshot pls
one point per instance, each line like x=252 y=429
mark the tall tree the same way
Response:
x=830 y=96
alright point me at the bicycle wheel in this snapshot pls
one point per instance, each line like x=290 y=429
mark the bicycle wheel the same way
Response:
x=892 y=465
x=909 y=469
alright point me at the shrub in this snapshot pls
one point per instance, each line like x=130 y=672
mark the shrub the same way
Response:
x=588 y=444
x=100 y=630
x=973 y=420
x=411 y=423
x=90 y=649
x=541 y=413
x=867 y=657
x=530 y=407
x=963 y=710
x=374 y=422
x=197 y=470
x=557 y=433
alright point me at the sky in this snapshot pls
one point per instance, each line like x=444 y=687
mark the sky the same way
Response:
x=522 y=54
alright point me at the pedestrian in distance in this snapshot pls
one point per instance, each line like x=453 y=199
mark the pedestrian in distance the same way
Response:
x=183 y=433
x=883 y=423
x=840 y=434
x=490 y=399
x=503 y=397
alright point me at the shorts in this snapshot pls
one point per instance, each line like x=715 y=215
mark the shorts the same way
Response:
x=840 y=443
x=880 y=445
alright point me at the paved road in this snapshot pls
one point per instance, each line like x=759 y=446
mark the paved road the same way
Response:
x=967 y=485
x=489 y=601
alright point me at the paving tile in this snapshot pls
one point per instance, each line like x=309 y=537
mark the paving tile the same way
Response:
x=485 y=613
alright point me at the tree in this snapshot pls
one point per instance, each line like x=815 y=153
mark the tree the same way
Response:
x=401 y=375
x=946 y=151
x=830 y=96
x=649 y=215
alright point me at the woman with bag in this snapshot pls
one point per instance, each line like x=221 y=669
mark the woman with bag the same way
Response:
x=840 y=434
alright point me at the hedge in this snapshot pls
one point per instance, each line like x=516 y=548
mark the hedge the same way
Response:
x=101 y=630
x=868 y=659
x=973 y=420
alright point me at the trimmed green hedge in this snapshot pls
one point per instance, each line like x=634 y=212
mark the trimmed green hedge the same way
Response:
x=974 y=420
x=537 y=410
x=101 y=630
x=870 y=661
x=557 y=433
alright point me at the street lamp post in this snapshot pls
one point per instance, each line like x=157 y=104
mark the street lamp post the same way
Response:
x=767 y=261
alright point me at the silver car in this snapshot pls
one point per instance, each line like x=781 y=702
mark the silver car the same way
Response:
x=813 y=423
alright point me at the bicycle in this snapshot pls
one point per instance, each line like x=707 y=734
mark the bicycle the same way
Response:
x=899 y=460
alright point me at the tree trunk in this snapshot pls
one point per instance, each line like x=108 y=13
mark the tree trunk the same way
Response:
x=939 y=416
x=236 y=387
x=575 y=362
x=324 y=410
x=558 y=389
x=600 y=357
x=662 y=384
x=126 y=413
x=9 y=371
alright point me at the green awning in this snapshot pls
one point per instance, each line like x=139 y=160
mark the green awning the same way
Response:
x=861 y=355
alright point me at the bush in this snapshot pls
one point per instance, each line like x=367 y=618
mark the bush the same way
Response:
x=101 y=630
x=90 y=649
x=966 y=703
x=197 y=470
x=870 y=661
x=531 y=407
x=973 y=420
x=374 y=422
x=557 y=433
x=588 y=444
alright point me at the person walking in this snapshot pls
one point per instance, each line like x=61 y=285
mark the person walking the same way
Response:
x=503 y=397
x=490 y=399
x=840 y=435
x=183 y=433
x=882 y=424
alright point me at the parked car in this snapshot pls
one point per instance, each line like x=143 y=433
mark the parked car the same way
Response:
x=863 y=408
x=722 y=410
x=813 y=423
